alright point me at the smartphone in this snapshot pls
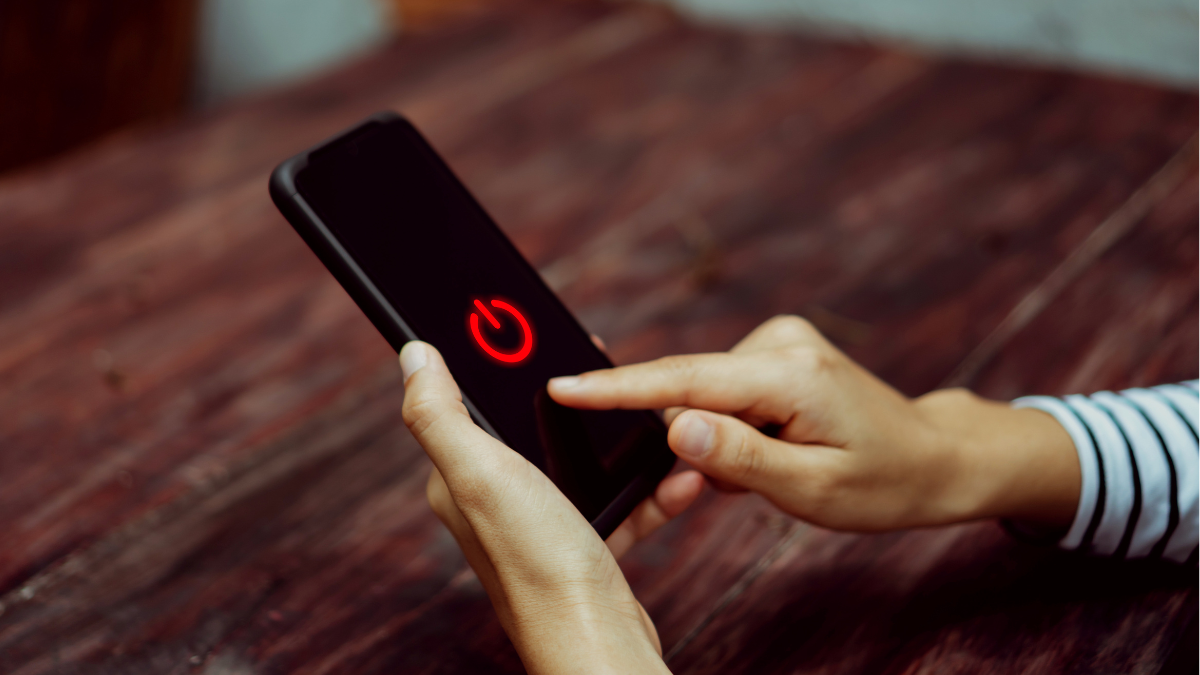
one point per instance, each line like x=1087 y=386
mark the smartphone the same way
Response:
x=424 y=261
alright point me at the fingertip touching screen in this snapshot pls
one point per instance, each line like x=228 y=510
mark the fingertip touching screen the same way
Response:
x=458 y=282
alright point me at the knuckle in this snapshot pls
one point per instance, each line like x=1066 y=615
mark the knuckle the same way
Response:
x=809 y=360
x=683 y=370
x=677 y=365
x=789 y=326
x=419 y=410
x=422 y=410
x=746 y=460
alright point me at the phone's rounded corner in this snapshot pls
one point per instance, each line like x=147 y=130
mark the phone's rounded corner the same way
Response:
x=282 y=185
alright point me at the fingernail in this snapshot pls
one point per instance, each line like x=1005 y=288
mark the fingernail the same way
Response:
x=696 y=437
x=565 y=382
x=413 y=357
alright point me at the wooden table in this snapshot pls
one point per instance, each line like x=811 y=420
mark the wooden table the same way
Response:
x=203 y=467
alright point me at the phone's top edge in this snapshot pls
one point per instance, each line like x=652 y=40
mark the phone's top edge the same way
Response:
x=283 y=178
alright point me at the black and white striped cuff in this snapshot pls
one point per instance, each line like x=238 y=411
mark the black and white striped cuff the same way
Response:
x=1138 y=453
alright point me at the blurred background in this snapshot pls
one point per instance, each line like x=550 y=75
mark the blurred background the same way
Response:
x=75 y=70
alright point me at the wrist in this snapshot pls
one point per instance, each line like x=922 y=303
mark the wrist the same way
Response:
x=1018 y=464
x=583 y=631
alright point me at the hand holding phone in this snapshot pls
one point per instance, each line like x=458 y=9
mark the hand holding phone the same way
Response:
x=557 y=590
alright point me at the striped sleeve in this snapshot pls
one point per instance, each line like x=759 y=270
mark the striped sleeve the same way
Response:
x=1139 y=456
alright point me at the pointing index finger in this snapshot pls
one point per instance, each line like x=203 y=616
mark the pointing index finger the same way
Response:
x=719 y=382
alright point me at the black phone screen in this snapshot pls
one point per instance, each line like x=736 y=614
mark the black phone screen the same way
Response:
x=463 y=287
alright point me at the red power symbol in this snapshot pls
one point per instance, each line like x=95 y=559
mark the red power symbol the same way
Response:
x=527 y=340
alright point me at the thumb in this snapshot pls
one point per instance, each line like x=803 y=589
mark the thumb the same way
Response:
x=436 y=416
x=728 y=449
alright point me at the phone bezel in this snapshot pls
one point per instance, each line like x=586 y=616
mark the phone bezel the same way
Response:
x=385 y=317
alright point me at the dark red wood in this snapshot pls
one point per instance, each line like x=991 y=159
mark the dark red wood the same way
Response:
x=203 y=463
x=1130 y=320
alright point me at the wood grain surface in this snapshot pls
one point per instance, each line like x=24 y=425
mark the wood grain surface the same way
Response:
x=203 y=463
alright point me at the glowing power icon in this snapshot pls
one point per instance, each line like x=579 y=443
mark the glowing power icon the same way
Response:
x=526 y=338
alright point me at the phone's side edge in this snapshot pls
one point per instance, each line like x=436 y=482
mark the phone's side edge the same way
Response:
x=640 y=488
x=348 y=273
x=352 y=277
